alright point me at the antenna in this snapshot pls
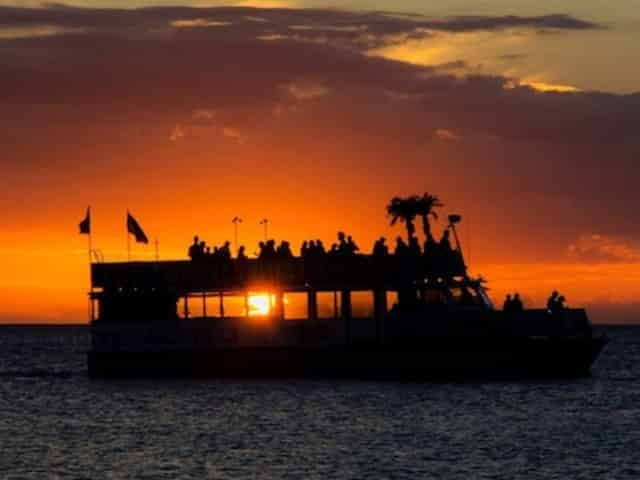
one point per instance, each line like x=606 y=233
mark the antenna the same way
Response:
x=236 y=220
x=265 y=222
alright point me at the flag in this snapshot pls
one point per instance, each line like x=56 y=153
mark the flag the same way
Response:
x=133 y=227
x=85 y=225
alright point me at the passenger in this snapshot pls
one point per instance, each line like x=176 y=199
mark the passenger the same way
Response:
x=516 y=304
x=430 y=245
x=320 y=247
x=445 y=243
x=379 y=248
x=508 y=303
x=342 y=243
x=270 y=249
x=384 y=249
x=201 y=249
x=552 y=301
x=334 y=250
x=560 y=306
x=306 y=247
x=263 y=247
x=225 y=250
x=241 y=265
x=207 y=251
x=284 y=250
x=401 y=247
x=414 y=247
x=193 y=249
x=352 y=248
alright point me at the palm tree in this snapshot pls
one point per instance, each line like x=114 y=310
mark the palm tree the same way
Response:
x=405 y=210
x=426 y=208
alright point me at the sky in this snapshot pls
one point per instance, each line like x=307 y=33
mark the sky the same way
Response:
x=523 y=118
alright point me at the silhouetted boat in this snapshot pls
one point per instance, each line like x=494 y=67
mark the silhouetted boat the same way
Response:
x=442 y=325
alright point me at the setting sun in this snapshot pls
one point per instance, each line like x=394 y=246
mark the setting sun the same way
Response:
x=260 y=304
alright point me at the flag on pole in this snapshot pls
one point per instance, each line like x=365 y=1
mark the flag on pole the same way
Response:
x=85 y=225
x=133 y=227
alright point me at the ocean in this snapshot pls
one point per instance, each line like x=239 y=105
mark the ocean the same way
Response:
x=56 y=423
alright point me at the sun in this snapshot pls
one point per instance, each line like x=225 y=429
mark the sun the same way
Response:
x=260 y=304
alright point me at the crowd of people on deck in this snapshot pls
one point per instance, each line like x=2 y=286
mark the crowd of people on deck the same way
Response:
x=199 y=250
x=345 y=246
x=268 y=250
x=310 y=249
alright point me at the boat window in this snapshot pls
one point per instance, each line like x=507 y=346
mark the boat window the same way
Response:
x=234 y=306
x=295 y=306
x=362 y=304
x=392 y=299
x=329 y=304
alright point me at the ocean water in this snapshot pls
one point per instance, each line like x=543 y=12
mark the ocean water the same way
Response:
x=56 y=423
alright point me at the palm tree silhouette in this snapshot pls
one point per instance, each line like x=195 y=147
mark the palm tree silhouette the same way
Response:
x=426 y=207
x=405 y=210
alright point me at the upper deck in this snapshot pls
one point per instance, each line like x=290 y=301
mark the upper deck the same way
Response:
x=356 y=272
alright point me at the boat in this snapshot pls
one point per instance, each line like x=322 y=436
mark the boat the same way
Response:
x=424 y=318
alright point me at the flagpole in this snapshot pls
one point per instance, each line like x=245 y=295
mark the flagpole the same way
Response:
x=128 y=238
x=89 y=246
x=157 y=251
x=89 y=236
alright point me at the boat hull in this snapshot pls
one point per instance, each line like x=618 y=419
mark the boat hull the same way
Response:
x=437 y=359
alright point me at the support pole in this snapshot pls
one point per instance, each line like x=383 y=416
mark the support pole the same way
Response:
x=279 y=306
x=204 y=304
x=221 y=298
x=91 y=305
x=379 y=311
x=345 y=306
x=312 y=305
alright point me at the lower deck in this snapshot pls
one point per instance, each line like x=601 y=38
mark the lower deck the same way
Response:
x=398 y=327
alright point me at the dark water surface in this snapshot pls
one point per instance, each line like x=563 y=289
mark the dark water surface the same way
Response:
x=55 y=423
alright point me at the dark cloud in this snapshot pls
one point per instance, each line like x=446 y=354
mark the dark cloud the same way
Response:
x=558 y=161
x=361 y=29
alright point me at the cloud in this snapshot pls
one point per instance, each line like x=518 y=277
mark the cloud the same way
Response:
x=306 y=91
x=548 y=87
x=203 y=115
x=234 y=134
x=177 y=133
x=597 y=248
x=198 y=23
x=361 y=29
x=446 y=135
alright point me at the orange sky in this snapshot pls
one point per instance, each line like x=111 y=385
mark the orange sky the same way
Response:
x=188 y=127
